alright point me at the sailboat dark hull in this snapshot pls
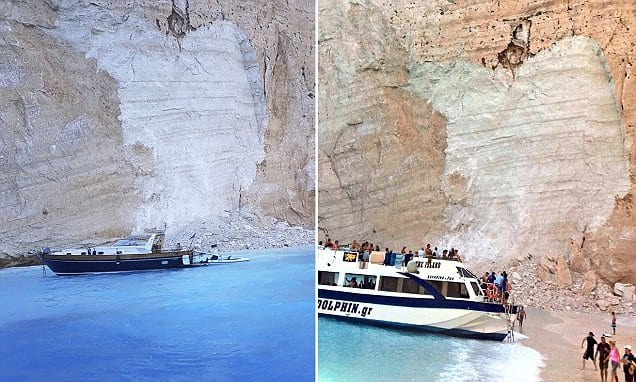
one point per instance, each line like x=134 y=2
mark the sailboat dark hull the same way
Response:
x=83 y=264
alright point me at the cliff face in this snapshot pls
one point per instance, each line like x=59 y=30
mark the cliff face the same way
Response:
x=122 y=118
x=501 y=128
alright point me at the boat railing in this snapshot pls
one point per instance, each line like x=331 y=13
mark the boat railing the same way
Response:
x=493 y=294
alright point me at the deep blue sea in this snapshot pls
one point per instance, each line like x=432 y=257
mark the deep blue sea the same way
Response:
x=356 y=352
x=250 y=321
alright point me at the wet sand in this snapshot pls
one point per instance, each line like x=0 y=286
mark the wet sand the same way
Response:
x=558 y=336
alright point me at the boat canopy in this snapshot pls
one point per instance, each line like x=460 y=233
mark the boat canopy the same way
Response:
x=132 y=241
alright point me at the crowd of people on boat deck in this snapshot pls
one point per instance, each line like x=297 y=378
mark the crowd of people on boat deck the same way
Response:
x=402 y=258
x=496 y=287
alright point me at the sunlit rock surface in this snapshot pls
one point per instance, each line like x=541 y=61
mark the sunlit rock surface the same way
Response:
x=500 y=128
x=165 y=114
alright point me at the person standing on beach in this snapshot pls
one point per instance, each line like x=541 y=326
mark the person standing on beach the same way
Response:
x=614 y=359
x=628 y=359
x=613 y=323
x=521 y=315
x=603 y=352
x=589 y=351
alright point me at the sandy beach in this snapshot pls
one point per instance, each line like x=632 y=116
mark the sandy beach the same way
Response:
x=558 y=335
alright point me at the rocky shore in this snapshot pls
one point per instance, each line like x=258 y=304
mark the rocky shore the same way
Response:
x=20 y=261
x=238 y=230
x=549 y=283
x=241 y=230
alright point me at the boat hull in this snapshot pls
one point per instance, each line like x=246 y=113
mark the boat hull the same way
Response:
x=452 y=317
x=78 y=264
x=424 y=328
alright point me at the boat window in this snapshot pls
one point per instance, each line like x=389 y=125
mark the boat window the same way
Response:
x=411 y=286
x=463 y=272
x=457 y=290
x=436 y=284
x=369 y=282
x=476 y=288
x=354 y=280
x=389 y=284
x=327 y=278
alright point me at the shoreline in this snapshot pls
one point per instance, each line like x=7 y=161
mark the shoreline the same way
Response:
x=31 y=260
x=20 y=261
x=558 y=335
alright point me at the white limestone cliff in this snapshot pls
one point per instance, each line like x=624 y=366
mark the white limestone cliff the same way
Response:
x=542 y=150
x=502 y=128
x=165 y=114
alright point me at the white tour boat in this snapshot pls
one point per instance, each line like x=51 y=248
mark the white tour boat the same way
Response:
x=440 y=296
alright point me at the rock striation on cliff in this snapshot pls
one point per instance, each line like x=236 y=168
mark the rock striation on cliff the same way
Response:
x=500 y=128
x=168 y=113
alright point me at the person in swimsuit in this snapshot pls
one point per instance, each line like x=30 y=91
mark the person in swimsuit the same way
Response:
x=521 y=315
x=614 y=360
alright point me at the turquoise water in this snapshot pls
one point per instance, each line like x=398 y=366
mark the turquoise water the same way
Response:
x=250 y=321
x=356 y=352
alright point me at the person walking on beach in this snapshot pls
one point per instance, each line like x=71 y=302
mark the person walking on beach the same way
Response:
x=614 y=360
x=602 y=353
x=521 y=315
x=589 y=351
x=613 y=323
x=629 y=360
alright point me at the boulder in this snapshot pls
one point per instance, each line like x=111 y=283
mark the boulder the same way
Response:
x=544 y=275
x=589 y=282
x=547 y=263
x=563 y=275
x=578 y=263
x=626 y=291
x=602 y=304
